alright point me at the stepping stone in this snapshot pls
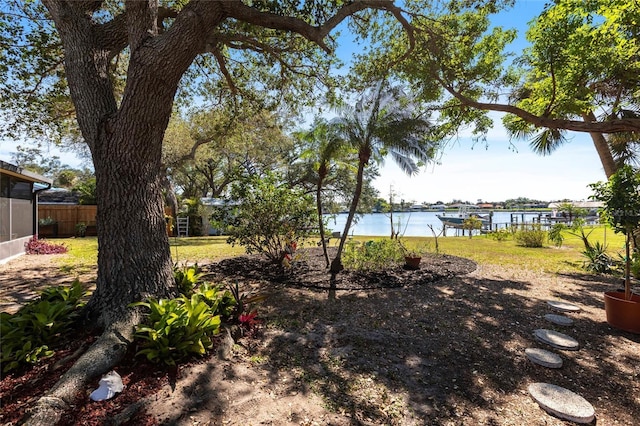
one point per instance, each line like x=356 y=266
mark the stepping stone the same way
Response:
x=562 y=402
x=543 y=357
x=563 y=306
x=556 y=340
x=559 y=319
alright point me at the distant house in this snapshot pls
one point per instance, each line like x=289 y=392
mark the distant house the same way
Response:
x=18 y=208
x=589 y=205
x=486 y=206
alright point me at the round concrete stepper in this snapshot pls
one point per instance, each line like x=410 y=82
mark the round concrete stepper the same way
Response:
x=543 y=357
x=559 y=319
x=562 y=402
x=561 y=306
x=556 y=340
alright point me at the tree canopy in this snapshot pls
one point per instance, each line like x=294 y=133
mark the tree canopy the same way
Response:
x=584 y=59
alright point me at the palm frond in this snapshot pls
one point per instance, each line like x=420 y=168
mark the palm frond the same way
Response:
x=547 y=141
x=625 y=148
x=405 y=162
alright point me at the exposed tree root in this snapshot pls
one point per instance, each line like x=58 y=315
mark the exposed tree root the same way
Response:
x=101 y=357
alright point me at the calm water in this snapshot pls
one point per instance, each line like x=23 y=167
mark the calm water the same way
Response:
x=414 y=224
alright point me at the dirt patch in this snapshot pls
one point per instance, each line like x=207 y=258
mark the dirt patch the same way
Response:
x=443 y=345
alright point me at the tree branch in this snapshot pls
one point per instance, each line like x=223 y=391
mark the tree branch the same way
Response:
x=612 y=126
x=222 y=63
x=141 y=21
x=312 y=33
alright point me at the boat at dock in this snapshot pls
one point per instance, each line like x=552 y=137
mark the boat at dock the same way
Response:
x=465 y=212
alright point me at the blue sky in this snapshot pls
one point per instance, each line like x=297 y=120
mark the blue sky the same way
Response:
x=470 y=173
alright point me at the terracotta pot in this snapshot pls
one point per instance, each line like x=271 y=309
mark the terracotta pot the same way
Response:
x=621 y=313
x=412 y=262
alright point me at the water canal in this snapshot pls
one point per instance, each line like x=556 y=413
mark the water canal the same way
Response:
x=416 y=224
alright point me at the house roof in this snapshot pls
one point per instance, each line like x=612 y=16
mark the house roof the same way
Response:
x=16 y=171
x=578 y=204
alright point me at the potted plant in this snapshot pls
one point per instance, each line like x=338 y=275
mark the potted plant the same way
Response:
x=621 y=209
x=47 y=227
x=412 y=256
x=81 y=229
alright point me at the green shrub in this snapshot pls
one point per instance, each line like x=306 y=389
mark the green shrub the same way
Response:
x=635 y=265
x=221 y=301
x=555 y=234
x=372 y=255
x=500 y=234
x=471 y=224
x=531 y=236
x=176 y=328
x=26 y=336
x=598 y=260
x=187 y=278
x=267 y=217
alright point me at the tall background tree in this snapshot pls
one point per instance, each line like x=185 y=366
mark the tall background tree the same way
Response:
x=324 y=149
x=583 y=62
x=63 y=74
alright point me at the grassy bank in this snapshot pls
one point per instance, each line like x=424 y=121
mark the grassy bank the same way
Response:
x=482 y=249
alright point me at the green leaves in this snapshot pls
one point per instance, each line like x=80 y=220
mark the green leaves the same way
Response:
x=177 y=328
x=39 y=324
x=187 y=278
x=621 y=198
x=265 y=216
x=372 y=255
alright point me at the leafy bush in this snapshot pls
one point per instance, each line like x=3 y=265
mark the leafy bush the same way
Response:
x=635 y=265
x=47 y=221
x=372 y=255
x=176 y=328
x=598 y=260
x=531 y=236
x=187 y=278
x=243 y=302
x=500 y=234
x=471 y=224
x=267 y=217
x=555 y=234
x=221 y=301
x=37 y=246
x=26 y=335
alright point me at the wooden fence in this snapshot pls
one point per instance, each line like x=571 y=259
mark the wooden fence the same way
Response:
x=66 y=217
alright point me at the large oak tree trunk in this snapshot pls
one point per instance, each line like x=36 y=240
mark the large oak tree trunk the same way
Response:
x=134 y=260
x=125 y=141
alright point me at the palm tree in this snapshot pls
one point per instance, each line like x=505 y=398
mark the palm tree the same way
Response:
x=383 y=122
x=324 y=145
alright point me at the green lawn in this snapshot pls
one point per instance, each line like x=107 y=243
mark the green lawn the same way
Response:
x=483 y=249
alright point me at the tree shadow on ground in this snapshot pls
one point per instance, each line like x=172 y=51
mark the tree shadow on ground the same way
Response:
x=447 y=351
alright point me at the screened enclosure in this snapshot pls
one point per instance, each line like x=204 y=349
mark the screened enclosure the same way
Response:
x=18 y=208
